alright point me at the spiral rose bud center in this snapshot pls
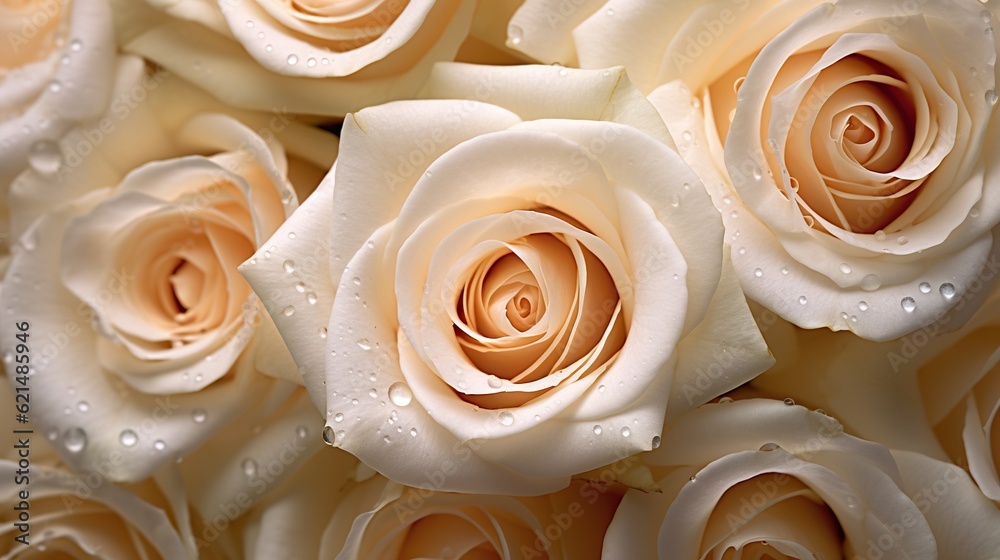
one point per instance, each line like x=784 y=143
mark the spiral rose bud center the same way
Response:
x=848 y=133
x=773 y=516
x=536 y=305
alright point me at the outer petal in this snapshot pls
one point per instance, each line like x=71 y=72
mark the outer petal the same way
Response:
x=723 y=352
x=291 y=521
x=867 y=386
x=546 y=92
x=50 y=486
x=963 y=521
x=267 y=446
x=307 y=290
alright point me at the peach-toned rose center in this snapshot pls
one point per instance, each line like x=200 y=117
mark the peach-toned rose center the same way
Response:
x=851 y=130
x=767 y=516
x=448 y=536
x=343 y=25
x=30 y=29
x=537 y=305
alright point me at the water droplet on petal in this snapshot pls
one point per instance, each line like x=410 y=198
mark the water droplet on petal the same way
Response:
x=289 y=266
x=758 y=272
x=909 y=304
x=845 y=268
x=249 y=467
x=400 y=394
x=159 y=445
x=598 y=429
x=769 y=447
x=288 y=311
x=991 y=97
x=45 y=157
x=302 y=432
x=656 y=442
x=128 y=438
x=871 y=283
x=506 y=418
x=494 y=382
x=948 y=290
x=199 y=415
x=515 y=34
x=803 y=300
x=75 y=440
x=292 y=59
x=863 y=305
x=789 y=402
x=83 y=406
x=626 y=432
x=925 y=288
x=76 y=45
x=364 y=344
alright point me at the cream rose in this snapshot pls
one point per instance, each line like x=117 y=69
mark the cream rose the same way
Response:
x=71 y=519
x=318 y=57
x=765 y=479
x=358 y=514
x=82 y=516
x=931 y=391
x=960 y=387
x=57 y=62
x=141 y=330
x=541 y=276
x=853 y=167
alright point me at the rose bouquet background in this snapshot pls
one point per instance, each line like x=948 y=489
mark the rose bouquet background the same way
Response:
x=466 y=279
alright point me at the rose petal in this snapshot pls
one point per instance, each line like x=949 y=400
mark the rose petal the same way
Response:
x=959 y=516
x=304 y=329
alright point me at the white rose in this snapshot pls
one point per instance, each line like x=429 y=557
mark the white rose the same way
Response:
x=932 y=391
x=57 y=71
x=319 y=57
x=854 y=167
x=357 y=514
x=63 y=511
x=540 y=276
x=762 y=478
x=140 y=328
x=81 y=516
